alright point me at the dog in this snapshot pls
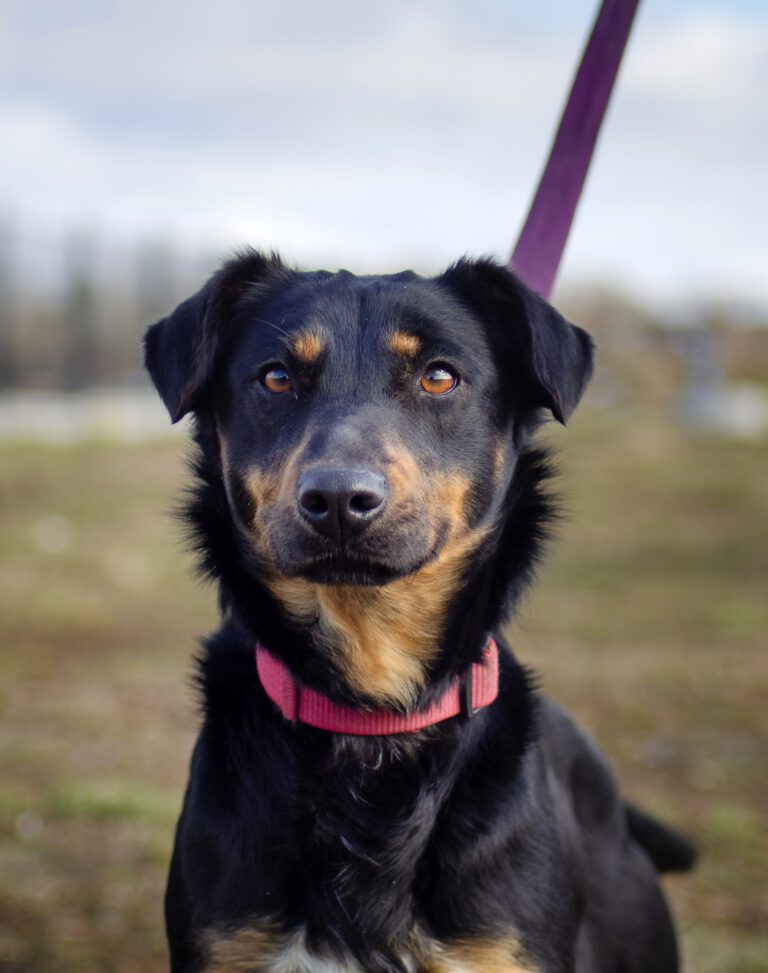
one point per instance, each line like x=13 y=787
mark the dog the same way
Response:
x=377 y=786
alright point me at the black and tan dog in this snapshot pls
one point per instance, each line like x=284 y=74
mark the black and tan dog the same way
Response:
x=371 y=504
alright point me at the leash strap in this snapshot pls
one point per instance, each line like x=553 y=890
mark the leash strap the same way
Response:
x=542 y=240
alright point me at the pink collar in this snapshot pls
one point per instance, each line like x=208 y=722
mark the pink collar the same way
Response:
x=464 y=694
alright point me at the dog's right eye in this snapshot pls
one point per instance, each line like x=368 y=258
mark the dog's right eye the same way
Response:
x=276 y=379
x=439 y=379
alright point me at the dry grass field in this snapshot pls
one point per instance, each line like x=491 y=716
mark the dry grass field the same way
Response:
x=649 y=622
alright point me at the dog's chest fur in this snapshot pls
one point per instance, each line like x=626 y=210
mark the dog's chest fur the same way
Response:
x=351 y=867
x=259 y=949
x=371 y=504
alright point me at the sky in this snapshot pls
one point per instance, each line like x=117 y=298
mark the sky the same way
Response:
x=378 y=137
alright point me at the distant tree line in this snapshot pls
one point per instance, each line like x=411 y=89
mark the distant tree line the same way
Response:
x=73 y=309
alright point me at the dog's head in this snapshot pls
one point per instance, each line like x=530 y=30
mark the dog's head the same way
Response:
x=367 y=428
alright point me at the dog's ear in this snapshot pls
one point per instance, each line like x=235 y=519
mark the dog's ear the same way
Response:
x=535 y=342
x=181 y=351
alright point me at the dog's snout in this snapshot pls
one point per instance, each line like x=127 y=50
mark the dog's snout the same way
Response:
x=340 y=503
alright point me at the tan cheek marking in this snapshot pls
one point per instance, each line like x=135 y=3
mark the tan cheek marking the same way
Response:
x=287 y=476
x=403 y=343
x=449 y=493
x=262 y=487
x=308 y=345
x=406 y=479
x=270 y=489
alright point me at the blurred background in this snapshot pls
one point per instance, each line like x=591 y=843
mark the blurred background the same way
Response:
x=142 y=143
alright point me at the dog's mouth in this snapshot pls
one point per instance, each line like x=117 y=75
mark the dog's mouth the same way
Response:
x=348 y=570
x=355 y=569
x=343 y=566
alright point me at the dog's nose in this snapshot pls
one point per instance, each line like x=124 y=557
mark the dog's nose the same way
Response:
x=340 y=503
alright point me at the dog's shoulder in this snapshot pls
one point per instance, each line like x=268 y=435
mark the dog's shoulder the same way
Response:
x=581 y=770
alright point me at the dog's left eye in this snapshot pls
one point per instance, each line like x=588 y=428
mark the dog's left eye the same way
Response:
x=439 y=379
x=276 y=379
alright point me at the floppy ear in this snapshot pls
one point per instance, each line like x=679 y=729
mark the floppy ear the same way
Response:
x=553 y=356
x=181 y=351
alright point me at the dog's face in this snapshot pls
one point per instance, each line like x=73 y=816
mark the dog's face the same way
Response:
x=349 y=414
x=365 y=424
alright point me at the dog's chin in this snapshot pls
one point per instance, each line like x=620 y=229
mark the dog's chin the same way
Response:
x=353 y=570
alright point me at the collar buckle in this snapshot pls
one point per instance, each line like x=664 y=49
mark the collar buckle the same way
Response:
x=467 y=693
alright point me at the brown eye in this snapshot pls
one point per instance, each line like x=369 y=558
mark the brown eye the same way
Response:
x=439 y=379
x=277 y=380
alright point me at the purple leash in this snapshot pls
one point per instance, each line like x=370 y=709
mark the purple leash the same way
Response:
x=542 y=240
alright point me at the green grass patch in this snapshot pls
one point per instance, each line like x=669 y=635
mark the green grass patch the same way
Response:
x=101 y=800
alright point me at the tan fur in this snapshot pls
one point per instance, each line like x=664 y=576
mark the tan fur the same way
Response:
x=407 y=483
x=484 y=956
x=260 y=948
x=252 y=949
x=262 y=487
x=405 y=344
x=308 y=345
x=499 y=458
x=268 y=488
x=385 y=637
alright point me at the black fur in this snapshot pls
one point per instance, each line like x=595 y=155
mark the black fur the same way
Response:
x=504 y=825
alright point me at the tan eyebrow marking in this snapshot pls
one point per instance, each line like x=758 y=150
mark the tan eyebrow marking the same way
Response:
x=403 y=343
x=308 y=345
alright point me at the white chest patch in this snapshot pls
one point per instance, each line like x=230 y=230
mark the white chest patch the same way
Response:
x=296 y=958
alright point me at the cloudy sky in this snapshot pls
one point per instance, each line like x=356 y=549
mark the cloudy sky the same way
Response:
x=377 y=136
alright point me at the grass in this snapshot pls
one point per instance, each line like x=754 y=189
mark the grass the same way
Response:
x=649 y=623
